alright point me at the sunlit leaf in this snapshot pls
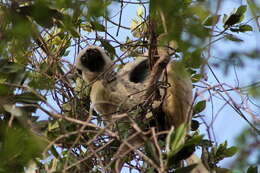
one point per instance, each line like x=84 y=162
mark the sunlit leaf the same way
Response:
x=196 y=77
x=140 y=11
x=212 y=20
x=52 y=126
x=241 y=10
x=137 y=27
x=13 y=110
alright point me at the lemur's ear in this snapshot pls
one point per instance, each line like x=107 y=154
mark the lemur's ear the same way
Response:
x=139 y=72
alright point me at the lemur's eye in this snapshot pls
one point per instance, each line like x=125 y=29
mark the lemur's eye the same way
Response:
x=79 y=71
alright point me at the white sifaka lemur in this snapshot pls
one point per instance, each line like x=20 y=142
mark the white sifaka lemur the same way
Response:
x=111 y=92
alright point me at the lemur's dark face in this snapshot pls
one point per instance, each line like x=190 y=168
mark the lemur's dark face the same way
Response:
x=93 y=60
x=140 y=72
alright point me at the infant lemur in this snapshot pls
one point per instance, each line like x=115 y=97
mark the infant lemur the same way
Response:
x=112 y=92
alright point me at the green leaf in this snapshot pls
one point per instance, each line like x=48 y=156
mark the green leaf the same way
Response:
x=151 y=152
x=241 y=10
x=86 y=27
x=10 y=67
x=39 y=81
x=150 y=170
x=223 y=152
x=109 y=48
x=196 y=77
x=97 y=26
x=187 y=2
x=134 y=23
x=254 y=91
x=18 y=147
x=5 y=90
x=195 y=140
x=41 y=13
x=252 y=169
x=232 y=37
x=199 y=107
x=212 y=20
x=73 y=32
x=135 y=26
x=200 y=11
x=206 y=143
x=194 y=59
x=222 y=170
x=52 y=126
x=232 y=20
x=245 y=28
x=236 y=17
x=175 y=140
x=242 y=28
x=221 y=148
x=230 y=151
x=96 y=8
x=27 y=97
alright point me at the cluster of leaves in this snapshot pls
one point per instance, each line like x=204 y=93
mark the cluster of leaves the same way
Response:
x=35 y=36
x=18 y=147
